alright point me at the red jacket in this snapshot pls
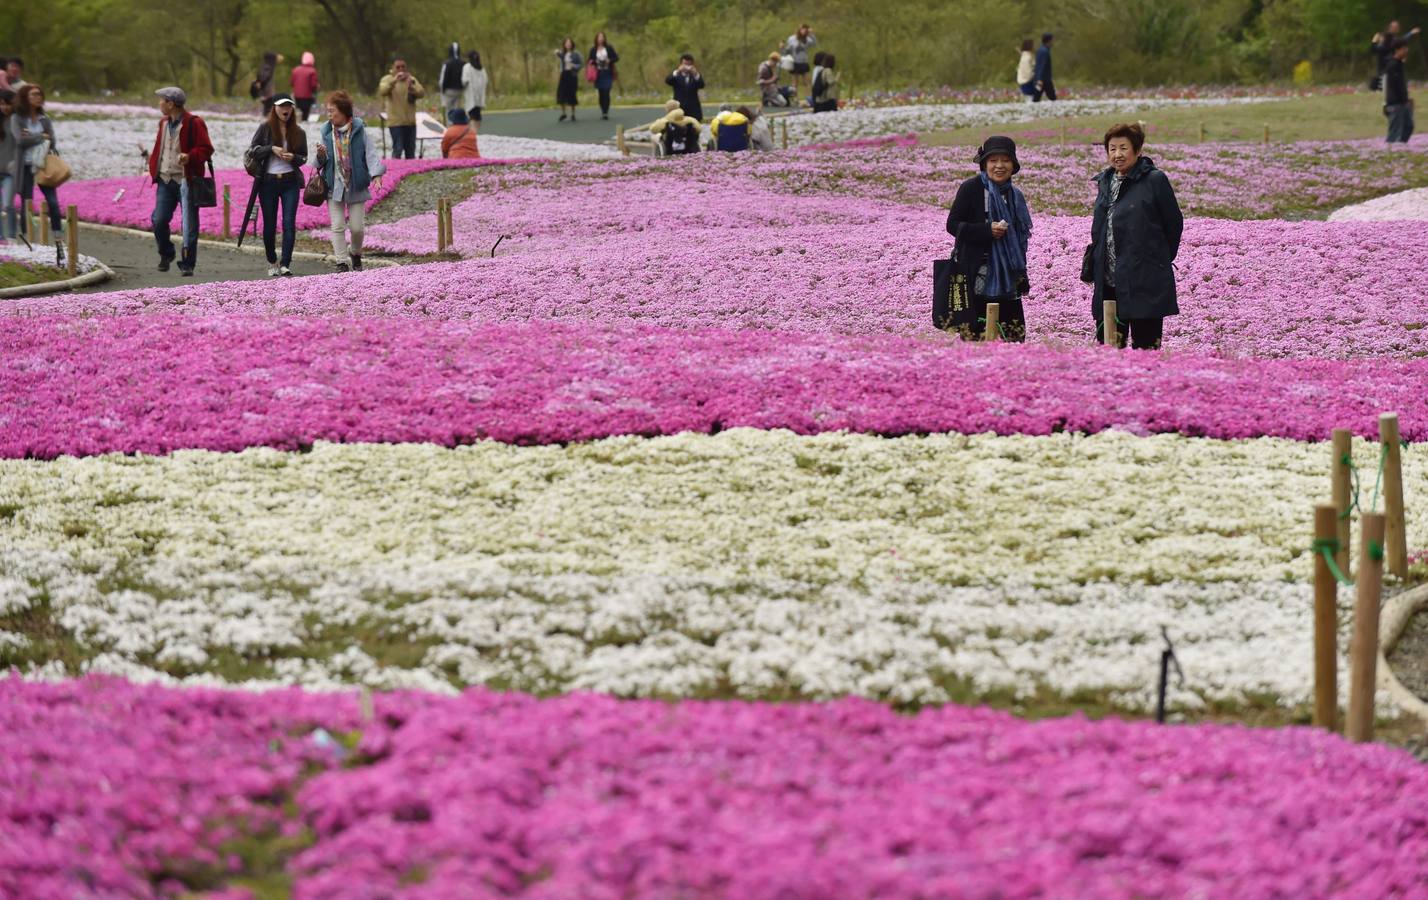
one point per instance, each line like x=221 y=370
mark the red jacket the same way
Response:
x=304 y=82
x=193 y=140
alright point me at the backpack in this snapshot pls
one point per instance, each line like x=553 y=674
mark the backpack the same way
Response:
x=451 y=75
x=680 y=139
x=819 y=86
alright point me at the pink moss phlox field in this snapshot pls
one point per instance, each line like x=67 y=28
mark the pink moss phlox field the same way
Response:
x=135 y=208
x=113 y=789
x=154 y=384
x=1269 y=289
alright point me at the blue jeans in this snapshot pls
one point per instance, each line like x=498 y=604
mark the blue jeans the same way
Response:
x=9 y=218
x=403 y=141
x=169 y=196
x=271 y=189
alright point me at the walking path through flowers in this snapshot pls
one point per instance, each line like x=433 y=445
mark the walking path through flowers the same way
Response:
x=681 y=550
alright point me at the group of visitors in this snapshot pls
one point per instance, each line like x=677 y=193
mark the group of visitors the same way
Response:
x=27 y=143
x=303 y=79
x=820 y=70
x=599 y=68
x=1033 y=70
x=1390 y=49
x=347 y=163
x=1136 y=226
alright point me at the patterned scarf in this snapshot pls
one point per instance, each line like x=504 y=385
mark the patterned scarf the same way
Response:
x=1008 y=259
x=342 y=141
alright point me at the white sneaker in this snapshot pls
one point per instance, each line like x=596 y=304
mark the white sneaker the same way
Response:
x=273 y=271
x=285 y=272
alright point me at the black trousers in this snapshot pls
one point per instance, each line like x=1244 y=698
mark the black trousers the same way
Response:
x=304 y=106
x=1144 y=334
x=1048 y=89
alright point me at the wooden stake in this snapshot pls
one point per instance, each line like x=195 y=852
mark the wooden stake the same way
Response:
x=1202 y=132
x=620 y=140
x=783 y=124
x=1266 y=132
x=440 y=224
x=1363 y=649
x=227 y=213
x=993 y=331
x=1108 y=323
x=71 y=257
x=1340 y=472
x=1326 y=623
x=1063 y=134
x=45 y=236
x=450 y=226
x=1396 y=545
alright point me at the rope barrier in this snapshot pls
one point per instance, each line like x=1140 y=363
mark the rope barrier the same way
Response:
x=1327 y=547
x=1348 y=460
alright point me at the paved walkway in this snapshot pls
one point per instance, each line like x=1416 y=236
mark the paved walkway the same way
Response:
x=135 y=263
x=588 y=127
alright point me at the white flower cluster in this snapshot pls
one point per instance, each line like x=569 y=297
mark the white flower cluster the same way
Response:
x=39 y=254
x=847 y=124
x=762 y=562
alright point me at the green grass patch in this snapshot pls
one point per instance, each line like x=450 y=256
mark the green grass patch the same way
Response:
x=15 y=274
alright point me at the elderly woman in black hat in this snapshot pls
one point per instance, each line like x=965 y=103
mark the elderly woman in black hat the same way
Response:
x=992 y=226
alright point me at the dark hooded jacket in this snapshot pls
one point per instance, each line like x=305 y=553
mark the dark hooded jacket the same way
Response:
x=1148 y=225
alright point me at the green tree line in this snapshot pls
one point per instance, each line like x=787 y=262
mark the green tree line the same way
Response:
x=214 y=46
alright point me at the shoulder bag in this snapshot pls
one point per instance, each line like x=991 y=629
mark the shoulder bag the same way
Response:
x=314 y=193
x=54 y=172
x=950 y=301
x=204 y=189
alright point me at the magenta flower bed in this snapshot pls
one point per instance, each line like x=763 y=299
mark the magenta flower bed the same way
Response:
x=159 y=383
x=1248 y=289
x=111 y=789
x=134 y=209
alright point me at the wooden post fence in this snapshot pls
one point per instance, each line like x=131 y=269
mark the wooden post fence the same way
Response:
x=1202 y=132
x=450 y=225
x=1266 y=132
x=227 y=212
x=1108 y=323
x=1341 y=473
x=993 y=331
x=71 y=257
x=1396 y=542
x=45 y=237
x=440 y=224
x=1363 y=649
x=783 y=127
x=1326 y=621
x=620 y=140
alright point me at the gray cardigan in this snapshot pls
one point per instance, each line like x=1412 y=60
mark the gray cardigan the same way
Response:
x=21 y=145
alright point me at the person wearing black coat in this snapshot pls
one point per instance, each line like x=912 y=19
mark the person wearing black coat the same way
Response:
x=992 y=225
x=1396 y=103
x=1135 y=236
x=687 y=82
x=1045 y=87
x=603 y=57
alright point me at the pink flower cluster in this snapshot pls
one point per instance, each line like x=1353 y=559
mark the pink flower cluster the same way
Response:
x=100 y=200
x=762 y=261
x=112 y=789
x=154 y=384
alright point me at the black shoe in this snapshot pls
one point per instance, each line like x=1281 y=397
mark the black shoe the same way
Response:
x=356 y=262
x=603 y=116
x=187 y=271
x=165 y=262
x=342 y=267
x=562 y=117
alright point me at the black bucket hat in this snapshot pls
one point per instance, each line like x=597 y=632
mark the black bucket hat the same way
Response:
x=994 y=145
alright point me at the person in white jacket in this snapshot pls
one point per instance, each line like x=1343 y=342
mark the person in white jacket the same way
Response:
x=473 y=86
x=1025 y=71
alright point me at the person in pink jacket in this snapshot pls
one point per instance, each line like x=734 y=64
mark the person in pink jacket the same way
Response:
x=305 y=84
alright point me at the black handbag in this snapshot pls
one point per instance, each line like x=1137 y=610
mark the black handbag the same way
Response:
x=204 y=189
x=951 y=303
x=1088 y=264
x=314 y=193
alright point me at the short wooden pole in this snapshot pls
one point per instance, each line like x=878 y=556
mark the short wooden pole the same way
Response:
x=450 y=225
x=1202 y=132
x=783 y=126
x=1396 y=541
x=1266 y=132
x=45 y=237
x=227 y=212
x=71 y=257
x=1341 y=474
x=620 y=140
x=440 y=224
x=993 y=331
x=1326 y=623
x=1363 y=649
x=1063 y=135
x=1108 y=323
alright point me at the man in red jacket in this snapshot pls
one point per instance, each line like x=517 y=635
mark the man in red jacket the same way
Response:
x=181 y=149
x=304 y=80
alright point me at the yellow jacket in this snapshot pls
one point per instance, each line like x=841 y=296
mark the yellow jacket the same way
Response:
x=728 y=117
x=399 y=98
